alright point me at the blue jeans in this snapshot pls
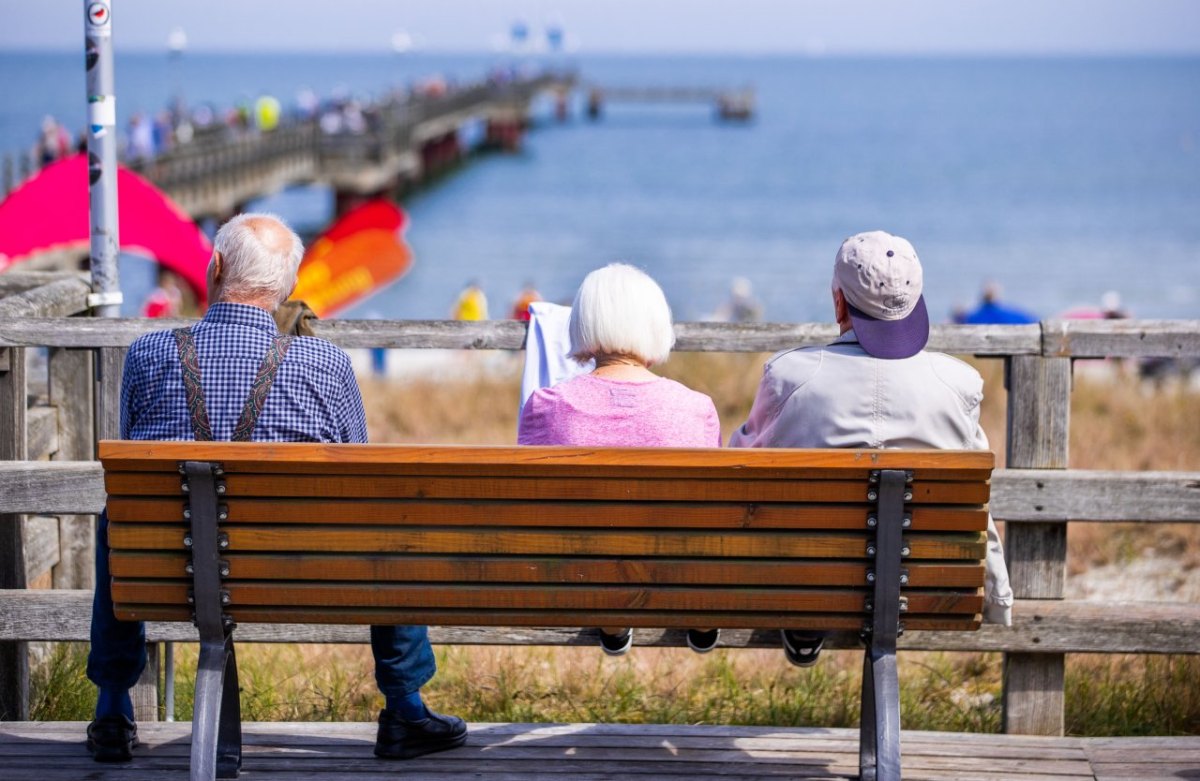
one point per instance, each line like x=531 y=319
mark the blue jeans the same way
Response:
x=403 y=657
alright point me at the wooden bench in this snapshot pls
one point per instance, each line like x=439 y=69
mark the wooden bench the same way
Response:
x=872 y=542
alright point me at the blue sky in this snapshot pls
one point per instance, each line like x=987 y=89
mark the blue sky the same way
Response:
x=859 y=27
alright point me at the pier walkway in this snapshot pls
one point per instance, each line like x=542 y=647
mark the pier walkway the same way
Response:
x=54 y=751
x=403 y=141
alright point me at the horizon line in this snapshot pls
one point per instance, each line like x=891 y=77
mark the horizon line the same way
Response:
x=609 y=52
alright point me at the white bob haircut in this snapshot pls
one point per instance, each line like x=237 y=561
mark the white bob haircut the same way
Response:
x=620 y=310
x=260 y=256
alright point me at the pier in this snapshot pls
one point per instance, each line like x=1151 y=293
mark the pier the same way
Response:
x=407 y=141
x=729 y=104
x=50 y=487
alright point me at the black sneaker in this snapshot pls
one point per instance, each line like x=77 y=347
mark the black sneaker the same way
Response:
x=401 y=739
x=801 y=648
x=112 y=738
x=703 y=641
x=618 y=644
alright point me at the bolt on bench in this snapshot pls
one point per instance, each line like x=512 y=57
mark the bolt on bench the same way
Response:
x=868 y=541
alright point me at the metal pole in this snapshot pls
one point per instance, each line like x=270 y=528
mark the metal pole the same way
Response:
x=169 y=696
x=102 y=158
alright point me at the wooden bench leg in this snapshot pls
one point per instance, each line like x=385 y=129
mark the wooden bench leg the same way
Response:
x=879 y=728
x=216 y=722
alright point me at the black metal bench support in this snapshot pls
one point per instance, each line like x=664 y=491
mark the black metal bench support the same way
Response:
x=879 y=730
x=217 y=720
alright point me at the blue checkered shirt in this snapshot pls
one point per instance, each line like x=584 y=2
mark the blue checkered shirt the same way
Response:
x=314 y=398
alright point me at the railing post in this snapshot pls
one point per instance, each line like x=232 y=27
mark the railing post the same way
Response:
x=1039 y=412
x=71 y=375
x=14 y=657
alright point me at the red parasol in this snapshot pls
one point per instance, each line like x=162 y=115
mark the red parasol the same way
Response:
x=50 y=212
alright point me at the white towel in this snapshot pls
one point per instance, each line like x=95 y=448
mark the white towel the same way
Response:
x=547 y=349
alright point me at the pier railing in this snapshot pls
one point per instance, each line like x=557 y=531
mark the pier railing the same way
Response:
x=221 y=169
x=49 y=429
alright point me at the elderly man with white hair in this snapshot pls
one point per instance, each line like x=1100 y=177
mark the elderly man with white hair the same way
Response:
x=233 y=376
x=874 y=387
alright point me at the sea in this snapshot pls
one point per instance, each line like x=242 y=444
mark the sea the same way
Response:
x=1058 y=179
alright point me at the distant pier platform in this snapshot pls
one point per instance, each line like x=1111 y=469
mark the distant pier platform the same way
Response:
x=731 y=104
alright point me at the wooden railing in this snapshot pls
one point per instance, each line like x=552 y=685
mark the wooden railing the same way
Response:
x=49 y=473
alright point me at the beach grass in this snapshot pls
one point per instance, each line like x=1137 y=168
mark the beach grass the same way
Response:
x=1117 y=423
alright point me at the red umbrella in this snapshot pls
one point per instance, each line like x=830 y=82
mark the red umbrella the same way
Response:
x=50 y=212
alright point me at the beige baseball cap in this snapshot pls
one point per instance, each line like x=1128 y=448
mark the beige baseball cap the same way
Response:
x=881 y=278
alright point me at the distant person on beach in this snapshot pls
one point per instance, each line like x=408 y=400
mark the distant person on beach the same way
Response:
x=520 y=307
x=741 y=306
x=874 y=387
x=990 y=310
x=166 y=299
x=620 y=319
x=311 y=396
x=471 y=304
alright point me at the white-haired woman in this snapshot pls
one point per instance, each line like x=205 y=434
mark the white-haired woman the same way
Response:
x=620 y=318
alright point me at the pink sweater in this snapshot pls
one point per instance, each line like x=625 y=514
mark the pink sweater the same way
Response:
x=589 y=410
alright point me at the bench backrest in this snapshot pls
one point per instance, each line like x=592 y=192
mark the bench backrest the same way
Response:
x=538 y=536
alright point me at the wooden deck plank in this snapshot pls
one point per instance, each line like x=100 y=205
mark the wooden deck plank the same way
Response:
x=53 y=751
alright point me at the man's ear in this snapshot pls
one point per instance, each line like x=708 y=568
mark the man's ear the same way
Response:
x=213 y=277
x=840 y=311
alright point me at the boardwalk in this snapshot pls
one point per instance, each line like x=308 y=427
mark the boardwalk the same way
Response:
x=53 y=751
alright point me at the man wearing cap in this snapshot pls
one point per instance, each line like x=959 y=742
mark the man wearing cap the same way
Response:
x=874 y=387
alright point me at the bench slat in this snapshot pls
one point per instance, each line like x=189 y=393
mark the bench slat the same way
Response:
x=765 y=620
x=532 y=597
x=476 y=569
x=322 y=458
x=408 y=512
x=593 y=489
x=595 y=542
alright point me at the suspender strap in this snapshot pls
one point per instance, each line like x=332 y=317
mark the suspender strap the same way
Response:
x=197 y=410
x=259 y=389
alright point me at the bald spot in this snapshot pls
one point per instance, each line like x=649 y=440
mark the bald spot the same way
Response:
x=273 y=235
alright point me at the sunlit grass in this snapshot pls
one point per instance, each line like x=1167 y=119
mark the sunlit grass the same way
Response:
x=960 y=692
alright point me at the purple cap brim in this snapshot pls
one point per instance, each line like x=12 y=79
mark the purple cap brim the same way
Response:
x=892 y=338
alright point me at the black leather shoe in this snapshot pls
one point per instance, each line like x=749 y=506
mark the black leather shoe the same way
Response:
x=802 y=648
x=618 y=644
x=400 y=739
x=703 y=640
x=112 y=738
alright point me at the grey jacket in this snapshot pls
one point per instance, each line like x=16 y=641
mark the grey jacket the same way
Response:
x=839 y=396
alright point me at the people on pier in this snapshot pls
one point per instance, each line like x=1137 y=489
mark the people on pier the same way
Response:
x=53 y=142
x=831 y=396
x=621 y=320
x=312 y=395
x=140 y=142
